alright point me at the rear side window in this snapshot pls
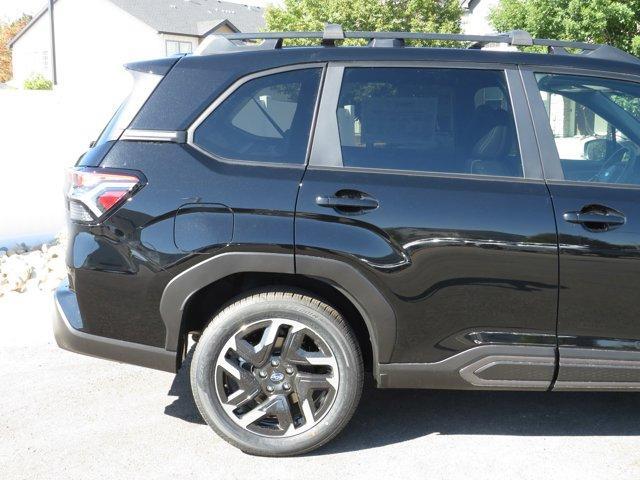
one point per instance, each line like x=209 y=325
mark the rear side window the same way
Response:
x=267 y=119
x=428 y=119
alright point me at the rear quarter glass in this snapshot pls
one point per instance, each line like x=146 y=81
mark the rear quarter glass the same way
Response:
x=143 y=86
x=146 y=76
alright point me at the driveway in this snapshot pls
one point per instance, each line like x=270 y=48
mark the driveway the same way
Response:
x=68 y=416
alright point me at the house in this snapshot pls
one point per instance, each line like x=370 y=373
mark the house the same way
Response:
x=94 y=38
x=475 y=19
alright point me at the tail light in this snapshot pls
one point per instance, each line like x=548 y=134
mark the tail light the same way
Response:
x=94 y=192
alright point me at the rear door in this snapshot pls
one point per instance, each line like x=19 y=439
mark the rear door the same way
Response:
x=420 y=180
x=589 y=128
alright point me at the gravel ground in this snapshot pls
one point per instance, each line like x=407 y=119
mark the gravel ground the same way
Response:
x=68 y=416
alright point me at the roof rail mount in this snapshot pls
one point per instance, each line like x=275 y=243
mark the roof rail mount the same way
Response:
x=236 y=42
x=521 y=38
x=332 y=32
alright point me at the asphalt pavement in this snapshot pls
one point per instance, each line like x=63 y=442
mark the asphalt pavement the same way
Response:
x=66 y=416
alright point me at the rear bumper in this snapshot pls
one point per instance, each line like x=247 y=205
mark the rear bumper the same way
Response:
x=67 y=325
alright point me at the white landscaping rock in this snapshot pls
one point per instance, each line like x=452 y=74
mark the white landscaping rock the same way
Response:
x=15 y=273
x=41 y=268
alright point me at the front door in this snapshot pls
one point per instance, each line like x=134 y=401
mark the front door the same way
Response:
x=590 y=129
x=420 y=180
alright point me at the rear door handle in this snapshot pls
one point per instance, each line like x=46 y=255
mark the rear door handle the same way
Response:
x=598 y=218
x=334 y=201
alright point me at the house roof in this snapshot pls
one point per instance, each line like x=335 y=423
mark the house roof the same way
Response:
x=183 y=17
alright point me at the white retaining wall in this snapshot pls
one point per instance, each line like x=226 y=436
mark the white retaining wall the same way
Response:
x=42 y=133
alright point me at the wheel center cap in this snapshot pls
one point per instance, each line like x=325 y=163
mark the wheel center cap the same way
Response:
x=276 y=377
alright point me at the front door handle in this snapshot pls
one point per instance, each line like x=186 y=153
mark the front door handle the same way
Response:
x=600 y=219
x=347 y=202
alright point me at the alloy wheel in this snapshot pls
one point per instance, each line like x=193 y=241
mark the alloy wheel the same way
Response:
x=276 y=377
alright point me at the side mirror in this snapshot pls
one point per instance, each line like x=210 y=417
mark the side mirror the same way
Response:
x=596 y=150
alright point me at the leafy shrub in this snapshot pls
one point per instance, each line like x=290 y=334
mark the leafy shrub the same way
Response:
x=38 y=82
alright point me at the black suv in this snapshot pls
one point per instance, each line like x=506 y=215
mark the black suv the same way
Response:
x=440 y=217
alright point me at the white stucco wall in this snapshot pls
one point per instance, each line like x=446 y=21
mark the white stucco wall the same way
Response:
x=94 y=38
x=476 y=20
x=30 y=52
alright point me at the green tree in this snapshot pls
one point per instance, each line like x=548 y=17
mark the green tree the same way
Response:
x=600 y=21
x=441 y=16
x=7 y=32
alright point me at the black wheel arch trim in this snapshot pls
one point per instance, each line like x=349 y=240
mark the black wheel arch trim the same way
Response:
x=378 y=315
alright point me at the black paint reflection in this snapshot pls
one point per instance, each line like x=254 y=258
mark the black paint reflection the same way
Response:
x=448 y=253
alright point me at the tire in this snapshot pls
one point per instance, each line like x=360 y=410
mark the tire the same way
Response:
x=297 y=346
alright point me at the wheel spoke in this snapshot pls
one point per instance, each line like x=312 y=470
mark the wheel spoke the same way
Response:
x=259 y=354
x=293 y=345
x=243 y=394
x=282 y=410
x=292 y=351
x=278 y=407
x=255 y=414
x=307 y=412
x=319 y=359
x=248 y=386
x=306 y=383
x=231 y=369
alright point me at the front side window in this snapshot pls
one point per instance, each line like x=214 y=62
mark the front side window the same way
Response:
x=267 y=119
x=596 y=127
x=428 y=119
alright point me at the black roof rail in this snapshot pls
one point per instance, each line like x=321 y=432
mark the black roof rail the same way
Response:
x=234 y=42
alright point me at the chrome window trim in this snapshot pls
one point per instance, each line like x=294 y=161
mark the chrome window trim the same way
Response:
x=176 y=136
x=230 y=90
x=421 y=173
x=326 y=151
x=584 y=183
